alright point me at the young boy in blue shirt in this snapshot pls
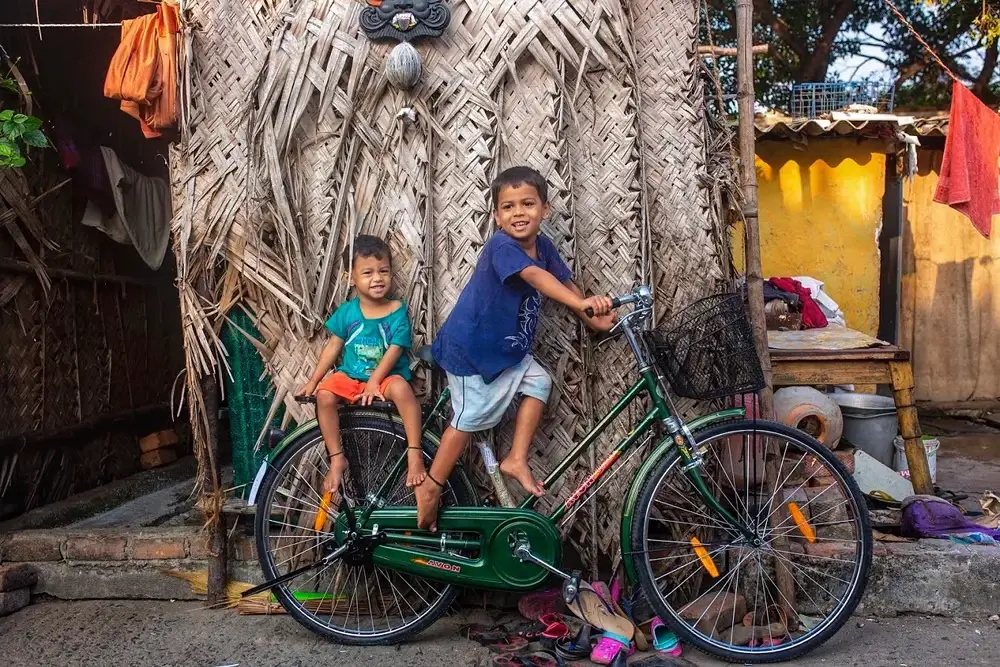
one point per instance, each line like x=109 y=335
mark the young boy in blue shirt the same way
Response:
x=485 y=344
x=373 y=332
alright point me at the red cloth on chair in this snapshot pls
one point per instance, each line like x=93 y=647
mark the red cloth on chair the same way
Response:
x=812 y=314
x=968 y=181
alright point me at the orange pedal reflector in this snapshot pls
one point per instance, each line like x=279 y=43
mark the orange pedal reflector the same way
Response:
x=801 y=522
x=704 y=557
x=322 y=512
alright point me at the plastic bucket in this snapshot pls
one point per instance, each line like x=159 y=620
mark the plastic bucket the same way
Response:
x=899 y=464
x=869 y=423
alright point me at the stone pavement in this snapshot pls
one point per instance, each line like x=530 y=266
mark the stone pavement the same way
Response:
x=137 y=633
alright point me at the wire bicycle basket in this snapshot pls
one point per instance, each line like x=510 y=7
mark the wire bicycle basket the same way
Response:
x=706 y=351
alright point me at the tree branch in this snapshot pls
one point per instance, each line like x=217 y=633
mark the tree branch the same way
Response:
x=865 y=61
x=780 y=28
x=818 y=63
x=981 y=87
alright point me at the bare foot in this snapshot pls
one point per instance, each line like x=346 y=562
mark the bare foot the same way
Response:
x=416 y=473
x=428 y=499
x=331 y=483
x=520 y=471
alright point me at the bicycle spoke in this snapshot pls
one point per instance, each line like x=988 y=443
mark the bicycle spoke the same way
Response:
x=731 y=568
x=354 y=600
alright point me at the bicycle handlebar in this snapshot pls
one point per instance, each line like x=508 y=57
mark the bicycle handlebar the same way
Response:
x=616 y=302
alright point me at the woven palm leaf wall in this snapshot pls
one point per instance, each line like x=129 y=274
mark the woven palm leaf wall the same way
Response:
x=294 y=143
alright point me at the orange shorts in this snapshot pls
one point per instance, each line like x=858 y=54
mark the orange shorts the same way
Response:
x=350 y=389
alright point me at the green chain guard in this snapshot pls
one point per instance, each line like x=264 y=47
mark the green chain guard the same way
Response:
x=495 y=529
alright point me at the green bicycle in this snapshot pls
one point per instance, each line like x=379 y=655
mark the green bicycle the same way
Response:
x=750 y=539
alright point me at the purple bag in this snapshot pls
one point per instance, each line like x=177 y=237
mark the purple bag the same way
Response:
x=930 y=516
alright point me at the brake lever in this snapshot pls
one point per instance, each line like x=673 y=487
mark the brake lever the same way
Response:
x=607 y=336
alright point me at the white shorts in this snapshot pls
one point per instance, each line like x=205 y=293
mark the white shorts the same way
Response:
x=479 y=406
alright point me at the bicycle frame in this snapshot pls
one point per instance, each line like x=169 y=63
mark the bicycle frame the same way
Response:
x=396 y=523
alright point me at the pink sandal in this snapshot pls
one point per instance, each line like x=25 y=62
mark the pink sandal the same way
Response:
x=609 y=646
x=664 y=641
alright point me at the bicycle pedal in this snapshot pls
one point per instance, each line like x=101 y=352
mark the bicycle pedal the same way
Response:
x=571 y=589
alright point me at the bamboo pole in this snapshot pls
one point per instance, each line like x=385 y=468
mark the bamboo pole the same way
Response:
x=211 y=497
x=211 y=500
x=755 y=280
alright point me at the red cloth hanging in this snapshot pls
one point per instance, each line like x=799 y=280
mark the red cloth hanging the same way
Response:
x=968 y=180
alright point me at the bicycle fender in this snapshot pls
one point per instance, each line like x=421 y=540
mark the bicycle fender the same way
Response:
x=313 y=425
x=664 y=448
x=284 y=442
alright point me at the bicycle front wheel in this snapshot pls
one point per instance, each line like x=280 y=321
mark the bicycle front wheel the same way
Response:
x=771 y=598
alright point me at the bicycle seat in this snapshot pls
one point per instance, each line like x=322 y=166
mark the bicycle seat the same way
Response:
x=424 y=355
x=375 y=405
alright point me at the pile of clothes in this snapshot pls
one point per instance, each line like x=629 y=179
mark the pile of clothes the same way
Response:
x=799 y=303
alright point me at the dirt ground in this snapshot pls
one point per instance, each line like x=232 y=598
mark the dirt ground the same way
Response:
x=146 y=634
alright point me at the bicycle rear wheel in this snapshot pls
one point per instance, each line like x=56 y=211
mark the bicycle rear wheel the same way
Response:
x=349 y=600
x=717 y=589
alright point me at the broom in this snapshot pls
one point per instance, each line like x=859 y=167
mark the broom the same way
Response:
x=266 y=603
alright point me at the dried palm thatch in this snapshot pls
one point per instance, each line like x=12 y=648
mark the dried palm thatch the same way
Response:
x=293 y=144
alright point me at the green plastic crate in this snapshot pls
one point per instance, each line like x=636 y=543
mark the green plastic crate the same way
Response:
x=249 y=394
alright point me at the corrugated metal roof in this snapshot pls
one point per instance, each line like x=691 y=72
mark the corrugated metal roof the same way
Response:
x=774 y=126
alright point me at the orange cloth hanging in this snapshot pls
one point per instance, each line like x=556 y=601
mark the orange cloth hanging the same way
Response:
x=143 y=71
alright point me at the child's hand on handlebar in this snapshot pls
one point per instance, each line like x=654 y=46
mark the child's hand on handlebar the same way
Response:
x=597 y=306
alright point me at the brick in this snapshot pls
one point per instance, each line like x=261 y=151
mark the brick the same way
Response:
x=243 y=548
x=198 y=546
x=157 y=458
x=158 y=440
x=712 y=608
x=12 y=601
x=13 y=577
x=95 y=547
x=168 y=437
x=841 y=550
x=795 y=547
x=793 y=470
x=149 y=443
x=156 y=547
x=31 y=546
x=828 y=509
x=817 y=470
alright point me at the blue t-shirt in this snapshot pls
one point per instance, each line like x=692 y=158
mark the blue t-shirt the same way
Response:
x=366 y=341
x=492 y=326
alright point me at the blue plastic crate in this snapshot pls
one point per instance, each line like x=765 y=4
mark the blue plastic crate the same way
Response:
x=812 y=100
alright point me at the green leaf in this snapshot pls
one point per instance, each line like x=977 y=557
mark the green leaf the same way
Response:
x=35 y=138
x=32 y=124
x=20 y=118
x=18 y=162
x=6 y=115
x=13 y=130
x=8 y=149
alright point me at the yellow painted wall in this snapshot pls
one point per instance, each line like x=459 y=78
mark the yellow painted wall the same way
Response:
x=820 y=214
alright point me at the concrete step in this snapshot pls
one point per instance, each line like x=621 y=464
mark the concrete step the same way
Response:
x=936 y=577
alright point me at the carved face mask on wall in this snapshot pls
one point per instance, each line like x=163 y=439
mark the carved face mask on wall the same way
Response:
x=404 y=20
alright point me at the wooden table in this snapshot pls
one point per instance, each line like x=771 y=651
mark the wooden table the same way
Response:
x=887 y=364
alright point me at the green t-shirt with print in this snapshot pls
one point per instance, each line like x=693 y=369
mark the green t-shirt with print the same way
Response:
x=367 y=340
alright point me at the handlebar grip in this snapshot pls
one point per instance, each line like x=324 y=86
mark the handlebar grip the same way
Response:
x=615 y=303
